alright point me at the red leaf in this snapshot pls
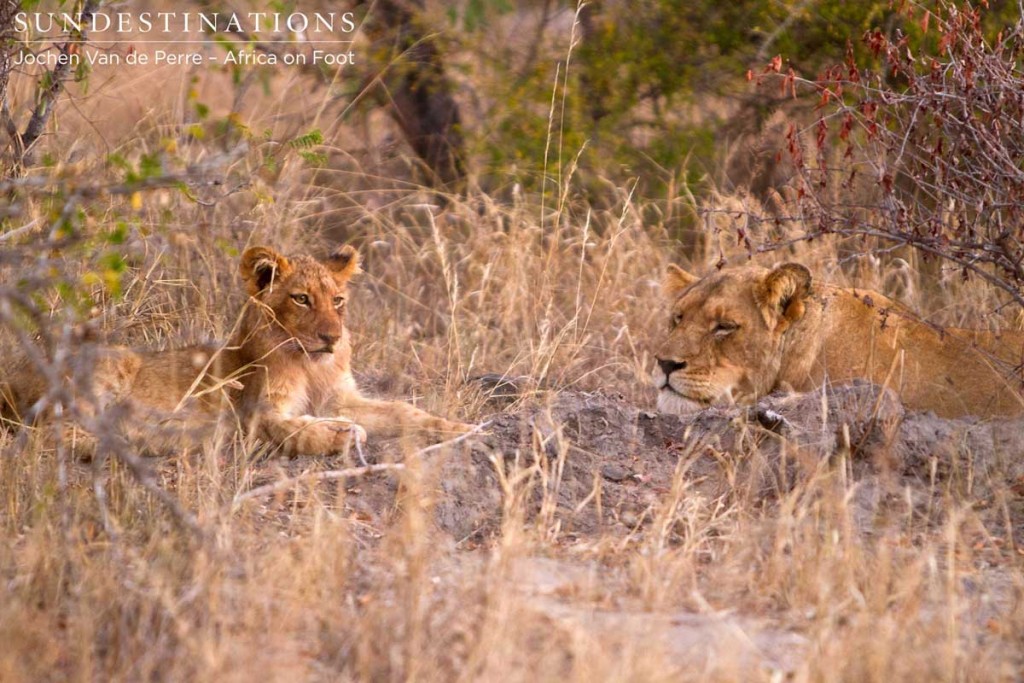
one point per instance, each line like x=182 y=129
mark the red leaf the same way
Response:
x=844 y=130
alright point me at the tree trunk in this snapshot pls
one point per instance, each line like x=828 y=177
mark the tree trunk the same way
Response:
x=418 y=91
x=8 y=8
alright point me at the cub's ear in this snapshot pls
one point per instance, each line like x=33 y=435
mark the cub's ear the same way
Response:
x=261 y=267
x=676 y=280
x=781 y=295
x=344 y=263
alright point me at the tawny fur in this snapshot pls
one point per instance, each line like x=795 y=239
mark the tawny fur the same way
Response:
x=285 y=376
x=792 y=333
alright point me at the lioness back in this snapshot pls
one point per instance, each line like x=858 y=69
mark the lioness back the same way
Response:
x=741 y=333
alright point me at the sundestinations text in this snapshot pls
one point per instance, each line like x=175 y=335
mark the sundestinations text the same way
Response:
x=187 y=22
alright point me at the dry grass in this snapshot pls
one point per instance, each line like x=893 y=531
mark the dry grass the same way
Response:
x=354 y=580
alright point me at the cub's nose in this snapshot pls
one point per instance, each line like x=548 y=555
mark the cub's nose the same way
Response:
x=669 y=366
x=328 y=338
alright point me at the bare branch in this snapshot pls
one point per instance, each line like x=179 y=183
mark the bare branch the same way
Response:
x=53 y=84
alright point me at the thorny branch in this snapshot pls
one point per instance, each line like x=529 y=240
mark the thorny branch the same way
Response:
x=929 y=146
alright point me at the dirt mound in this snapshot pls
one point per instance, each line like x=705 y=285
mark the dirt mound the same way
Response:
x=600 y=462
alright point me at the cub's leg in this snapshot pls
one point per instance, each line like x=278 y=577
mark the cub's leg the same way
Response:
x=275 y=409
x=307 y=435
x=394 y=417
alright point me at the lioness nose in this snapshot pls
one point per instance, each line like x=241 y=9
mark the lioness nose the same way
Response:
x=669 y=366
x=328 y=338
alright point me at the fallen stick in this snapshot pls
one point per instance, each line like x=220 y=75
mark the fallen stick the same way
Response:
x=349 y=473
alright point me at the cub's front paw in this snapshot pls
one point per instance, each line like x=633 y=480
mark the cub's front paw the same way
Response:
x=451 y=428
x=346 y=435
x=327 y=437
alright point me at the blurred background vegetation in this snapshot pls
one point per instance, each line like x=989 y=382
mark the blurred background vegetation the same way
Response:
x=504 y=97
x=571 y=105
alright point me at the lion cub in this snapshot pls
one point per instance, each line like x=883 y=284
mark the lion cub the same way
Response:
x=285 y=375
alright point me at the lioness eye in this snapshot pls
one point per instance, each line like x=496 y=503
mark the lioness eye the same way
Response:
x=724 y=327
x=301 y=299
x=338 y=301
x=676 y=320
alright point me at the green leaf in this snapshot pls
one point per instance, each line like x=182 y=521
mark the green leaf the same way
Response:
x=318 y=159
x=150 y=166
x=308 y=140
x=118 y=234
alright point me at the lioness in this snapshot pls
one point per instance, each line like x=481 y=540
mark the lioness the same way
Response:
x=285 y=374
x=741 y=333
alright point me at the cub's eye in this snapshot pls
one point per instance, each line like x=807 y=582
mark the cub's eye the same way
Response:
x=338 y=301
x=677 y=320
x=724 y=327
x=301 y=299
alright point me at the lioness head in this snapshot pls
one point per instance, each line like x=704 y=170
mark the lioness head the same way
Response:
x=301 y=301
x=726 y=337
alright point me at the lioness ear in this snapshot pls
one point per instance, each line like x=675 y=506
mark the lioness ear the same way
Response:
x=676 y=280
x=261 y=267
x=344 y=263
x=781 y=295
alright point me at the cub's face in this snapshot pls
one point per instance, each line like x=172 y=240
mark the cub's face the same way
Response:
x=724 y=337
x=302 y=300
